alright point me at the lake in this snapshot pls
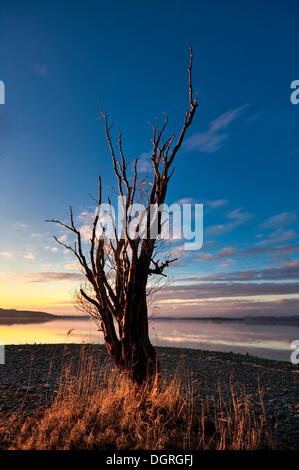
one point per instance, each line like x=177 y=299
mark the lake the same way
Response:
x=270 y=341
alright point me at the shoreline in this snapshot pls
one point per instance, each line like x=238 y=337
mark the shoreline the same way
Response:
x=235 y=355
x=222 y=354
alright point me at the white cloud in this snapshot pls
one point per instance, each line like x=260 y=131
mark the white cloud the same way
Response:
x=72 y=266
x=29 y=256
x=85 y=231
x=7 y=254
x=19 y=225
x=87 y=219
x=51 y=248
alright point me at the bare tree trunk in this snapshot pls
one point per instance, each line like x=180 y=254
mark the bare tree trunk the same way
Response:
x=137 y=351
x=133 y=352
x=121 y=299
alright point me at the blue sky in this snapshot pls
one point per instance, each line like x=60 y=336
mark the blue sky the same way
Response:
x=240 y=158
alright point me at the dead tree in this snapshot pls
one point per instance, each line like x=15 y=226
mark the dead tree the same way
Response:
x=119 y=297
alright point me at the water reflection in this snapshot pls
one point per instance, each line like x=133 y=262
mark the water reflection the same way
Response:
x=270 y=341
x=265 y=340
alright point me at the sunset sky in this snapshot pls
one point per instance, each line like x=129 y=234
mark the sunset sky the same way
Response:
x=240 y=158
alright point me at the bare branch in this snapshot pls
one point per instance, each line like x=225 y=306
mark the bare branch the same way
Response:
x=159 y=268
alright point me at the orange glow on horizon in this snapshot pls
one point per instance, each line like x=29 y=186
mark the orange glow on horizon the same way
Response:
x=53 y=297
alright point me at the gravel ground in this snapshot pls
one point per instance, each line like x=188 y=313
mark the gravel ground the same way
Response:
x=30 y=376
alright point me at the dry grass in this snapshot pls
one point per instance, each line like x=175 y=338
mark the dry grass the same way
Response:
x=102 y=411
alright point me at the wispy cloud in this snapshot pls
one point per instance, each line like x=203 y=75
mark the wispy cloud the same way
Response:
x=214 y=290
x=86 y=219
x=251 y=252
x=19 y=225
x=51 y=248
x=38 y=235
x=212 y=139
x=29 y=256
x=279 y=236
x=223 y=253
x=288 y=271
x=7 y=254
x=237 y=217
x=280 y=220
x=223 y=121
x=40 y=69
x=231 y=308
x=216 y=203
x=144 y=162
x=50 y=276
x=72 y=266
x=210 y=205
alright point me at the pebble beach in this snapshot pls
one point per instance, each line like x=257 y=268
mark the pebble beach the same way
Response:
x=29 y=380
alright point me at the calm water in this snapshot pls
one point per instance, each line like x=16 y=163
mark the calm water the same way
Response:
x=268 y=341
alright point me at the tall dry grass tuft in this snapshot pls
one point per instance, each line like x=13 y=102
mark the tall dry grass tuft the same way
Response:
x=101 y=410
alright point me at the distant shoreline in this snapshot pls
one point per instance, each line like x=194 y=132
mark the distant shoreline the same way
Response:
x=283 y=320
x=12 y=316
